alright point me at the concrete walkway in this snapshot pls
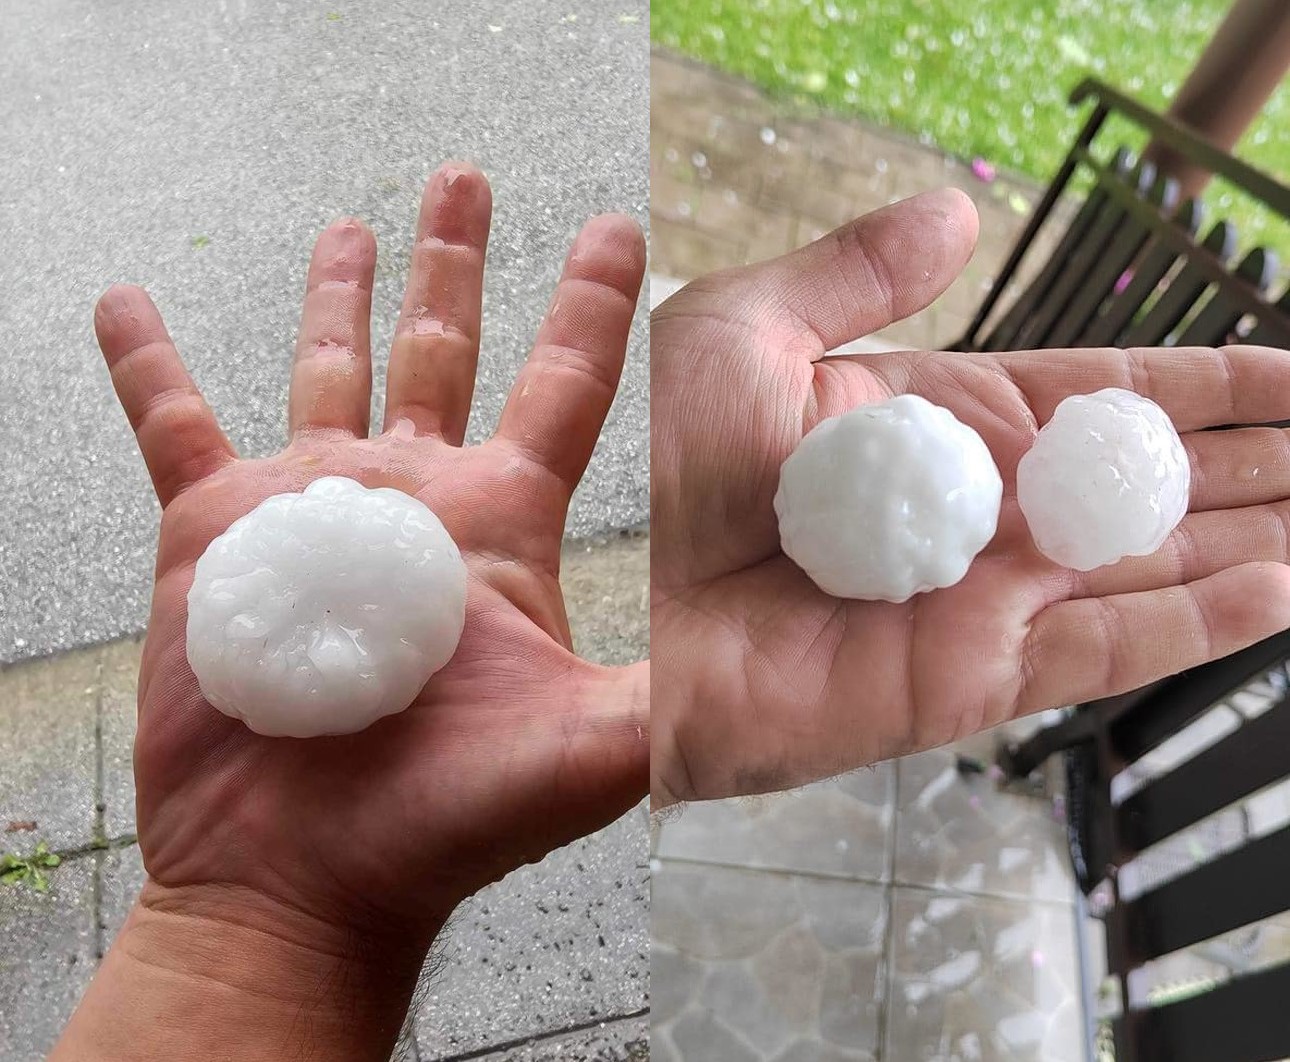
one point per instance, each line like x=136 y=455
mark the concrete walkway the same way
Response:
x=552 y=962
x=737 y=176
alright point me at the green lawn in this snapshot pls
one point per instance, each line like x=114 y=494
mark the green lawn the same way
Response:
x=982 y=78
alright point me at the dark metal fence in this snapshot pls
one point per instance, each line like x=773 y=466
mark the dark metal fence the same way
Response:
x=1131 y=268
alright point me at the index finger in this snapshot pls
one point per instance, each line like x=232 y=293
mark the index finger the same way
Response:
x=177 y=432
x=1199 y=387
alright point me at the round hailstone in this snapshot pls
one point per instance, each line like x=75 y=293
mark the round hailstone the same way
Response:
x=318 y=613
x=888 y=500
x=1106 y=478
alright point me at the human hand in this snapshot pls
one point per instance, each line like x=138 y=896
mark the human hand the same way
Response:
x=359 y=847
x=766 y=682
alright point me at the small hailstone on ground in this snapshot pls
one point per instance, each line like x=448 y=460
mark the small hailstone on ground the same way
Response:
x=888 y=501
x=318 y=613
x=1106 y=478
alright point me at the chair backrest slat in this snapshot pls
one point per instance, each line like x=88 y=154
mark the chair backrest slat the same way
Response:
x=1217 y=320
x=1251 y=757
x=1004 y=336
x=1272 y=329
x=1233 y=890
x=1242 y=1020
x=1178 y=700
x=1119 y=253
x=1083 y=257
x=1108 y=328
x=1183 y=291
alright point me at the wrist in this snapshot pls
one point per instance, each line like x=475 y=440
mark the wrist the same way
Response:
x=221 y=971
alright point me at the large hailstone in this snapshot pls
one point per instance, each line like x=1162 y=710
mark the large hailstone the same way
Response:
x=888 y=500
x=318 y=613
x=1106 y=478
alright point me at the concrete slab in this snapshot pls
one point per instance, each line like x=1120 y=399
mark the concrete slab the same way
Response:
x=46 y=958
x=47 y=752
x=117 y=720
x=198 y=149
x=551 y=947
x=121 y=876
x=606 y=593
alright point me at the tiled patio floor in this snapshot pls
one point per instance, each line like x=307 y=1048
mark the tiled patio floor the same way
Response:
x=906 y=911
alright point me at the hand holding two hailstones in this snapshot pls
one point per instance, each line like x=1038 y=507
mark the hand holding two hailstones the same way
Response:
x=765 y=681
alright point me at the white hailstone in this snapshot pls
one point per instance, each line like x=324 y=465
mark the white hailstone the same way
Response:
x=318 y=613
x=1106 y=478
x=888 y=501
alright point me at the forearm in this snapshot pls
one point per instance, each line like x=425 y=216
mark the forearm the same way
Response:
x=218 y=974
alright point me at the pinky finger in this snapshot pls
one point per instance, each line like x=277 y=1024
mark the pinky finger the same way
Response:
x=177 y=433
x=1090 y=648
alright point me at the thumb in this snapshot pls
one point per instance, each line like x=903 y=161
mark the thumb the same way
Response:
x=867 y=274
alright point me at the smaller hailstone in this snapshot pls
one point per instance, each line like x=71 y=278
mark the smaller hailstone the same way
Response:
x=318 y=613
x=1106 y=478
x=888 y=501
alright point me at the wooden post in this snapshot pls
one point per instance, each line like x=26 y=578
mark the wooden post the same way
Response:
x=1241 y=67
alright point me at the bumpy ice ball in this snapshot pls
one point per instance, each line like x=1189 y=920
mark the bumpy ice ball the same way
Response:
x=888 y=500
x=318 y=613
x=1106 y=478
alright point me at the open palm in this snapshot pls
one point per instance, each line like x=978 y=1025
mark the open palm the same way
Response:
x=766 y=681
x=514 y=748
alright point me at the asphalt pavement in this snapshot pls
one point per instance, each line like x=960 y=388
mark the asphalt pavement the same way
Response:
x=198 y=149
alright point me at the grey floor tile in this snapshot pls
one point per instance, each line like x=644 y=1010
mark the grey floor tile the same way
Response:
x=552 y=946
x=982 y=978
x=46 y=958
x=841 y=826
x=121 y=876
x=961 y=831
x=120 y=683
x=756 y=965
x=626 y=1040
x=47 y=750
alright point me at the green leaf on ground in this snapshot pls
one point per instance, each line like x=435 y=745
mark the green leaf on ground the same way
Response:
x=28 y=870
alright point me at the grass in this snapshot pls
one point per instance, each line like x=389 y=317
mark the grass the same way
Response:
x=986 y=78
